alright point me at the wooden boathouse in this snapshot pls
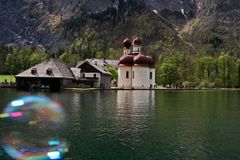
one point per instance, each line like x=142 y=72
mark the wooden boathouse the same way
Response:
x=92 y=75
x=51 y=73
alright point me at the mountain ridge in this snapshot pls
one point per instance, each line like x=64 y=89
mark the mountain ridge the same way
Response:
x=52 y=24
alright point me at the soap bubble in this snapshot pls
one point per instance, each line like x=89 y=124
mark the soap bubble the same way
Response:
x=32 y=126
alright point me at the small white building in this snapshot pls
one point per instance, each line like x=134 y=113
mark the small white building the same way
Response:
x=135 y=70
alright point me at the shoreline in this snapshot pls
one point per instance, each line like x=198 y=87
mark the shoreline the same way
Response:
x=155 y=89
x=163 y=89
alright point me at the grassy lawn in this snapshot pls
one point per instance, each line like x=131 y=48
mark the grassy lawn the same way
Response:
x=9 y=78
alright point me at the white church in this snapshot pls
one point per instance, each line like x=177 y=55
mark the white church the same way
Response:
x=135 y=70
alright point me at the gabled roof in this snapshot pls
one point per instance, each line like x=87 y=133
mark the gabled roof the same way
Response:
x=57 y=67
x=102 y=62
x=98 y=68
x=76 y=72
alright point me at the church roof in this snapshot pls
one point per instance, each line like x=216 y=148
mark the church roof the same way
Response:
x=127 y=43
x=135 y=58
x=126 y=60
x=137 y=41
x=50 y=68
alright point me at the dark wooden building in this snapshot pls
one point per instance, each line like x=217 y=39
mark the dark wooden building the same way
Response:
x=51 y=73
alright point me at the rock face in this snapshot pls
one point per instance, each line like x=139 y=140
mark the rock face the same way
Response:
x=42 y=23
x=223 y=13
x=36 y=23
x=178 y=12
x=216 y=23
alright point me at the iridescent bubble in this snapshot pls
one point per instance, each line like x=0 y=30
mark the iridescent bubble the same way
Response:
x=33 y=124
x=36 y=110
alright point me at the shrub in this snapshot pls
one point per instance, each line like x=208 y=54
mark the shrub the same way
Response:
x=218 y=82
x=211 y=85
x=203 y=84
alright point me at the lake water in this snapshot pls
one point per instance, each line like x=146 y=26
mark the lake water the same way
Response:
x=147 y=125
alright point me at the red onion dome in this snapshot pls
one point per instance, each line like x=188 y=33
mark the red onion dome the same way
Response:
x=150 y=60
x=141 y=60
x=137 y=42
x=126 y=60
x=127 y=43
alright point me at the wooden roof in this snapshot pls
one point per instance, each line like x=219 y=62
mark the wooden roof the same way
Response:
x=102 y=62
x=76 y=72
x=93 y=66
x=57 y=68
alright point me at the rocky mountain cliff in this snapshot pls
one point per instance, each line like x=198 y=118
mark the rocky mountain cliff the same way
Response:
x=215 y=27
x=53 y=24
x=34 y=22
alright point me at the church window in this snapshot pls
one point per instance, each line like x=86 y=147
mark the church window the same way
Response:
x=127 y=74
x=150 y=75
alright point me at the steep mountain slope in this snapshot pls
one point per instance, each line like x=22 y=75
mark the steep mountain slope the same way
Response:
x=175 y=11
x=178 y=12
x=216 y=26
x=43 y=23
x=200 y=26
x=26 y=22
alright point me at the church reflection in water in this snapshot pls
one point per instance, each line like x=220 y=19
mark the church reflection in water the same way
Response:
x=136 y=100
x=135 y=109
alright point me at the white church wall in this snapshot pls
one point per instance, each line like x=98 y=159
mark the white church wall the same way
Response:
x=123 y=80
x=137 y=49
x=141 y=77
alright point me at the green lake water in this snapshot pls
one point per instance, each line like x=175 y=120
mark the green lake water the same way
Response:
x=147 y=125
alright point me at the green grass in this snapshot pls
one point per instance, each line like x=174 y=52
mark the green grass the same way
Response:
x=9 y=78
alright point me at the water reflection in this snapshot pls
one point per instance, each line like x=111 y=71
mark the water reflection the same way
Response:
x=144 y=125
x=134 y=115
x=135 y=102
